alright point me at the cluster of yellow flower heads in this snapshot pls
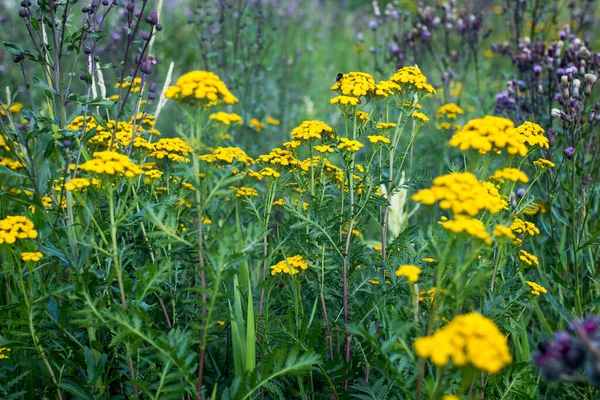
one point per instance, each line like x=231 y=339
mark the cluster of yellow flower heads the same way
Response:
x=3 y=351
x=16 y=227
x=378 y=139
x=420 y=117
x=362 y=116
x=385 y=125
x=412 y=77
x=309 y=130
x=245 y=191
x=345 y=100
x=135 y=84
x=431 y=294
x=33 y=256
x=325 y=148
x=411 y=272
x=543 y=163
x=226 y=118
x=532 y=134
x=122 y=131
x=291 y=265
x=468 y=339
x=387 y=88
x=536 y=289
x=10 y=163
x=349 y=145
x=226 y=156
x=487 y=134
x=256 y=125
x=279 y=157
x=173 y=149
x=272 y=121
x=524 y=227
x=448 y=111
x=15 y=108
x=80 y=184
x=509 y=174
x=468 y=225
x=492 y=133
x=528 y=258
x=202 y=87
x=462 y=193
x=112 y=163
x=355 y=84
x=503 y=231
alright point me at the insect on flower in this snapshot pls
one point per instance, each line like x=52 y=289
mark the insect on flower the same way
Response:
x=338 y=77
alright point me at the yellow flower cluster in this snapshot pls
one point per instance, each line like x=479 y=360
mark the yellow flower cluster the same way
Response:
x=122 y=133
x=201 y=86
x=448 y=111
x=111 y=163
x=463 y=194
x=411 y=272
x=173 y=149
x=227 y=155
x=420 y=117
x=487 y=134
x=543 y=163
x=528 y=228
x=345 y=100
x=355 y=84
x=509 y=174
x=536 y=289
x=468 y=339
x=349 y=145
x=532 y=134
x=16 y=227
x=387 y=88
x=278 y=156
x=468 y=225
x=269 y=172
x=226 y=118
x=528 y=258
x=79 y=184
x=503 y=231
x=431 y=293
x=34 y=256
x=412 y=77
x=10 y=163
x=385 y=125
x=256 y=125
x=323 y=148
x=135 y=84
x=3 y=351
x=291 y=266
x=363 y=116
x=309 y=130
x=245 y=191
x=378 y=139
x=14 y=109
x=272 y=121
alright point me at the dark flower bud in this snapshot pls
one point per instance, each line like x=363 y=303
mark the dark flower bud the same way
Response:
x=551 y=137
x=158 y=27
x=83 y=76
x=95 y=4
x=105 y=2
x=131 y=71
x=521 y=192
x=87 y=50
x=146 y=67
x=138 y=58
x=589 y=327
x=23 y=13
x=145 y=35
x=152 y=87
x=18 y=58
x=569 y=152
x=130 y=7
x=152 y=19
x=85 y=10
x=151 y=96
x=66 y=143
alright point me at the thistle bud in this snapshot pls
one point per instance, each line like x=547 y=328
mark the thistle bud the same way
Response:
x=152 y=19
x=18 y=58
x=555 y=112
x=158 y=27
x=576 y=85
x=152 y=87
x=23 y=13
x=146 y=67
x=590 y=80
x=130 y=7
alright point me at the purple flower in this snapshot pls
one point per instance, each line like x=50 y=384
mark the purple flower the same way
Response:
x=537 y=68
x=569 y=152
x=360 y=37
x=373 y=25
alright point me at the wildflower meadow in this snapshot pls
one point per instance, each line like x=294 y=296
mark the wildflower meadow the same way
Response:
x=299 y=199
